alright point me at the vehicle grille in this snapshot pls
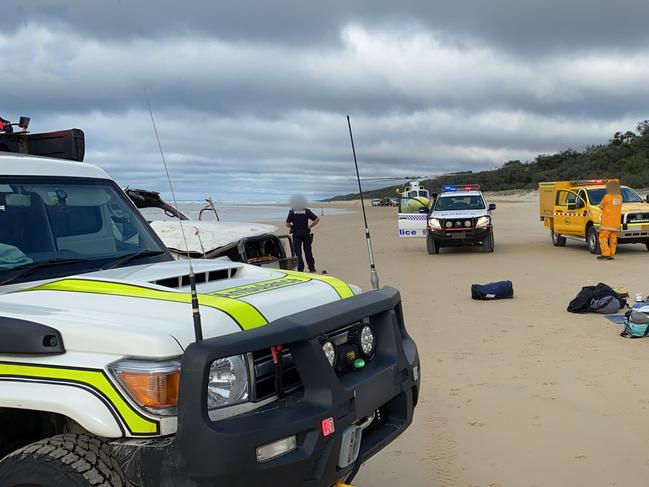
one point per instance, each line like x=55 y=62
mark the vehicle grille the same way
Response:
x=637 y=218
x=264 y=374
x=264 y=368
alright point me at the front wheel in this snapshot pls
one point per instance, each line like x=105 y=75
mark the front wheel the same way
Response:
x=593 y=240
x=432 y=245
x=488 y=243
x=558 y=240
x=62 y=461
x=647 y=245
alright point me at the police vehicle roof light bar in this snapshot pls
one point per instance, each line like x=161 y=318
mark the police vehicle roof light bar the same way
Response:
x=461 y=187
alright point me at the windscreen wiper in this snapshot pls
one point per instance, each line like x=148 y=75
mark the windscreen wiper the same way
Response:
x=26 y=269
x=129 y=257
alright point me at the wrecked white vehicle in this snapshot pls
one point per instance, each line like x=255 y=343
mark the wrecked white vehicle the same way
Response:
x=251 y=243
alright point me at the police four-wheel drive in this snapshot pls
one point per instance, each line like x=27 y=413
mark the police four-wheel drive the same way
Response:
x=104 y=381
x=459 y=217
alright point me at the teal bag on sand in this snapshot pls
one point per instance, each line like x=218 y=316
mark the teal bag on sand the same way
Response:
x=636 y=325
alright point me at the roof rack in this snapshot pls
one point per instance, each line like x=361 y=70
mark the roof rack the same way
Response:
x=63 y=144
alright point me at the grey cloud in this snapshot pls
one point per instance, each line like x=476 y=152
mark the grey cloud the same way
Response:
x=368 y=72
x=527 y=26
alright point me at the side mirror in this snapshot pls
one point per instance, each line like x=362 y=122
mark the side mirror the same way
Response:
x=647 y=198
x=580 y=203
x=492 y=206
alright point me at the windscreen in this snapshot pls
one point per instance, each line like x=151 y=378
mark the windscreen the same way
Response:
x=89 y=221
x=459 y=202
x=628 y=196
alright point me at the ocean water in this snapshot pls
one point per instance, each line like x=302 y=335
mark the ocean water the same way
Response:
x=237 y=212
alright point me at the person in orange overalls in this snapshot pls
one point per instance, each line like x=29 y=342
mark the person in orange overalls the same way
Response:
x=611 y=206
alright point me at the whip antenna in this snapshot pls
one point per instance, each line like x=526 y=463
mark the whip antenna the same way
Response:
x=374 y=276
x=196 y=314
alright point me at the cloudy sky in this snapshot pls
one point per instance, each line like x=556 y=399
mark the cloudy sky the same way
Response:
x=250 y=96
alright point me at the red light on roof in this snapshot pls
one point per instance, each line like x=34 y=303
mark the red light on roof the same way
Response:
x=461 y=187
x=582 y=182
x=328 y=427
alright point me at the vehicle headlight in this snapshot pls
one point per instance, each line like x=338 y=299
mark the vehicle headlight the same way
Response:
x=483 y=221
x=434 y=223
x=228 y=383
x=366 y=340
x=329 y=350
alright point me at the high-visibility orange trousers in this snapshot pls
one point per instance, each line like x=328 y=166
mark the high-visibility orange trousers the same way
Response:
x=608 y=243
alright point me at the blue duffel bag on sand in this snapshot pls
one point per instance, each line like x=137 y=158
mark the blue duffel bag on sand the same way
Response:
x=494 y=290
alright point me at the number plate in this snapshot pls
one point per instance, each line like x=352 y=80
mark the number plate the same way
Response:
x=458 y=235
x=350 y=446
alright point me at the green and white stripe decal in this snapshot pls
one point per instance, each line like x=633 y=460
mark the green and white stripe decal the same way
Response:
x=226 y=300
x=244 y=314
x=90 y=379
x=289 y=278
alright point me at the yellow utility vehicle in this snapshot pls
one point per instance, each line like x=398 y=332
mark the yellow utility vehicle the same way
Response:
x=570 y=209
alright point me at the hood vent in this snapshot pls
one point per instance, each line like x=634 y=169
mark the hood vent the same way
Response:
x=201 y=278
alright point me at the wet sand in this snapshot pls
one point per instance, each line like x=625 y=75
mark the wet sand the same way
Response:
x=517 y=392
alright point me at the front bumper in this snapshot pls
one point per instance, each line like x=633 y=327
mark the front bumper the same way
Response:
x=634 y=233
x=215 y=453
x=471 y=235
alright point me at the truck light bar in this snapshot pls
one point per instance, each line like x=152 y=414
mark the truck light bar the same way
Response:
x=582 y=182
x=461 y=187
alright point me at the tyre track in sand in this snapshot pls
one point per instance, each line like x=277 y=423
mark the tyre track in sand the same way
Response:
x=441 y=452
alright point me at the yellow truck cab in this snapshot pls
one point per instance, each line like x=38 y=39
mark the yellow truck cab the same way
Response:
x=570 y=209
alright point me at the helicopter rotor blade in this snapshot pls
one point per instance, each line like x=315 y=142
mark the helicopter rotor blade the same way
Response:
x=402 y=178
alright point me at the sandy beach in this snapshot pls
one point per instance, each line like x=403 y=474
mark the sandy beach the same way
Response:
x=517 y=392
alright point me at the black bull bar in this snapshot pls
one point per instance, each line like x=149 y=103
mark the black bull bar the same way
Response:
x=205 y=452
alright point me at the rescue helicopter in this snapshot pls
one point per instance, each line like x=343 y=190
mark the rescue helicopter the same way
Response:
x=414 y=204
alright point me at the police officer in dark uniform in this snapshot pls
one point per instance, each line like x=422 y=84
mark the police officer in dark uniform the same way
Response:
x=301 y=220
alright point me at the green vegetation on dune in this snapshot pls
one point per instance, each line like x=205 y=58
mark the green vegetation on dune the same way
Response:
x=626 y=156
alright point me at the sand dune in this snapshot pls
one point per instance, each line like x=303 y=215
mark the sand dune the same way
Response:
x=518 y=392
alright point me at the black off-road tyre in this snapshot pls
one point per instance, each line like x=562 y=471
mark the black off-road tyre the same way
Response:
x=432 y=245
x=488 y=244
x=63 y=461
x=558 y=240
x=592 y=239
x=647 y=245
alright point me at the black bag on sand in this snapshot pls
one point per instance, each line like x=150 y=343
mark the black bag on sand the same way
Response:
x=589 y=294
x=494 y=290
